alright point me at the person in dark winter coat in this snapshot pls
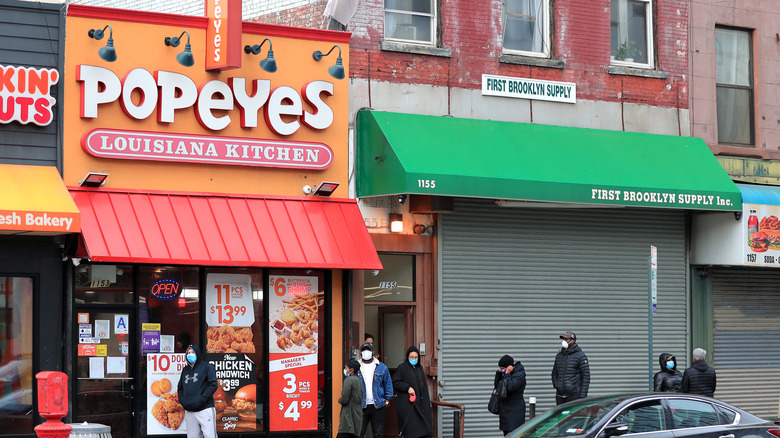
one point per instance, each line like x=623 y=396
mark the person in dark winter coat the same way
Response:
x=699 y=378
x=571 y=372
x=413 y=401
x=351 y=416
x=196 y=388
x=511 y=409
x=668 y=379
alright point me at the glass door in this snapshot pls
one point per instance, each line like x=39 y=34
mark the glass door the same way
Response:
x=104 y=373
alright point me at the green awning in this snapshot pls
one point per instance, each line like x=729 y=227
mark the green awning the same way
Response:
x=447 y=156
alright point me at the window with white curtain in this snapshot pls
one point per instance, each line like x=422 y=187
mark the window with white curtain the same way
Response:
x=411 y=21
x=526 y=26
x=631 y=32
x=734 y=84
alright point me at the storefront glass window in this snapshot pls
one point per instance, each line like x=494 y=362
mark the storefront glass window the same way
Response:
x=104 y=284
x=16 y=376
x=393 y=283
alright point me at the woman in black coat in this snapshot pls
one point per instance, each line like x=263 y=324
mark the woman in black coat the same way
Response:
x=414 y=418
x=512 y=408
x=668 y=379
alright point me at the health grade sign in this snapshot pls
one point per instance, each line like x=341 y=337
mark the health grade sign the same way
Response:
x=224 y=126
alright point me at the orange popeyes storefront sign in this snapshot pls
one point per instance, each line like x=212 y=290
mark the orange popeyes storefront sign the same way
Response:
x=154 y=124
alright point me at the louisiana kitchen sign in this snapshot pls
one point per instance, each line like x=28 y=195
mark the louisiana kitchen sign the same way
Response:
x=152 y=123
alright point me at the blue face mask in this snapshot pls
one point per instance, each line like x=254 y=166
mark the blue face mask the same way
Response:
x=503 y=371
x=346 y=374
x=670 y=364
x=191 y=358
x=413 y=362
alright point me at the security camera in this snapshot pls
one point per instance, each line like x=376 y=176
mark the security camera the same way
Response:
x=76 y=261
x=401 y=198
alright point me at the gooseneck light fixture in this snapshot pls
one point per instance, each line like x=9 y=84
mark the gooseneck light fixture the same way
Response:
x=185 y=58
x=108 y=53
x=337 y=70
x=269 y=63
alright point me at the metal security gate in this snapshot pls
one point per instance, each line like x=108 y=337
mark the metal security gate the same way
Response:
x=746 y=335
x=513 y=279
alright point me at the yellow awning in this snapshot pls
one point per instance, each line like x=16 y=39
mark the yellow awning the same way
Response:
x=34 y=199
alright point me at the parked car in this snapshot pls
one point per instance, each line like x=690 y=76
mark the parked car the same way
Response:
x=655 y=415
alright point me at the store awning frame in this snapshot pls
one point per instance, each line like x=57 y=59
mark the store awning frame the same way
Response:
x=446 y=156
x=223 y=230
x=35 y=201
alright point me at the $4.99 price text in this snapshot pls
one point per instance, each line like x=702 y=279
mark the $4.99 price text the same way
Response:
x=226 y=313
x=291 y=388
x=293 y=411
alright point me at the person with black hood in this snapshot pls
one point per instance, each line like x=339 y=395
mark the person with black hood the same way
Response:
x=351 y=416
x=413 y=401
x=699 y=378
x=571 y=372
x=511 y=409
x=668 y=379
x=196 y=388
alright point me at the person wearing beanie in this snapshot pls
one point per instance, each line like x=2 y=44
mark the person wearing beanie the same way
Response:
x=377 y=391
x=413 y=403
x=512 y=408
x=351 y=416
x=571 y=372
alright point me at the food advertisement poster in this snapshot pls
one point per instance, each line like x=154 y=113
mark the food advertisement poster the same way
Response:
x=762 y=234
x=294 y=340
x=236 y=398
x=229 y=313
x=162 y=399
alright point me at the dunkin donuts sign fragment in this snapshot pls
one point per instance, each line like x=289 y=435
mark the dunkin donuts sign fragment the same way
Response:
x=25 y=95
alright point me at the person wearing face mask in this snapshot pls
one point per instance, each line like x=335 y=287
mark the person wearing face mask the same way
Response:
x=351 y=416
x=413 y=403
x=196 y=388
x=377 y=391
x=512 y=408
x=668 y=379
x=571 y=372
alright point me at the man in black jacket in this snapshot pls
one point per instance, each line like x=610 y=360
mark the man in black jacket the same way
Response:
x=571 y=372
x=197 y=385
x=700 y=377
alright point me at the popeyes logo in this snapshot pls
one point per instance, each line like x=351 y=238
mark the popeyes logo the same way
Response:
x=25 y=95
x=284 y=110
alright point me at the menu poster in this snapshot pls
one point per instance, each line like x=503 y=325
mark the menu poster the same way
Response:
x=236 y=397
x=293 y=344
x=150 y=338
x=229 y=314
x=762 y=234
x=162 y=377
x=292 y=382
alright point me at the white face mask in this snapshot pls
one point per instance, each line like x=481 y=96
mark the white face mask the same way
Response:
x=366 y=354
x=564 y=344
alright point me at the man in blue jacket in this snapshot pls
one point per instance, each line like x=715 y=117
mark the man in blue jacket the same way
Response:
x=377 y=391
x=197 y=385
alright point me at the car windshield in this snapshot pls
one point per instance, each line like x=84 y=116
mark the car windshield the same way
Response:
x=566 y=420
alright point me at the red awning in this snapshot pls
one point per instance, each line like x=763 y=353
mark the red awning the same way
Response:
x=224 y=230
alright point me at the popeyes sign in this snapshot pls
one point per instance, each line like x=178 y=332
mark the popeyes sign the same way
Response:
x=25 y=95
x=284 y=109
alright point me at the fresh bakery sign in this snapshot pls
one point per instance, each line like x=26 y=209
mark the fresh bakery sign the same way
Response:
x=285 y=111
x=25 y=95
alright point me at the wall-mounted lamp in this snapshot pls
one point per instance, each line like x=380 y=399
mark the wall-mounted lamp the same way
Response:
x=108 y=53
x=93 y=179
x=269 y=63
x=396 y=222
x=324 y=189
x=185 y=58
x=337 y=70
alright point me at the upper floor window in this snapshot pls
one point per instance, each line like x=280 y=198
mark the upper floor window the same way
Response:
x=734 y=84
x=631 y=28
x=410 y=21
x=526 y=26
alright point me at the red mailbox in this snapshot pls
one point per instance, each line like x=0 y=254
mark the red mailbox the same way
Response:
x=52 y=404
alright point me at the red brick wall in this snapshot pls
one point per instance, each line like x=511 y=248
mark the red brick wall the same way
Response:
x=472 y=30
